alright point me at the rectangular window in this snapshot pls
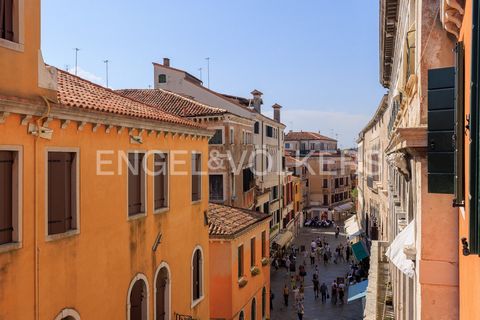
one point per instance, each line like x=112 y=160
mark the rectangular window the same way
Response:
x=232 y=186
x=62 y=192
x=232 y=136
x=325 y=200
x=287 y=145
x=264 y=244
x=252 y=253
x=9 y=180
x=136 y=184
x=240 y=261
x=256 y=127
x=160 y=181
x=325 y=183
x=216 y=187
x=274 y=193
x=196 y=176
x=248 y=179
x=269 y=132
x=162 y=78
x=333 y=199
x=6 y=20
x=217 y=137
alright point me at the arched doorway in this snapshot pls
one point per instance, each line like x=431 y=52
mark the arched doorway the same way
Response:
x=241 y=316
x=68 y=314
x=138 y=298
x=162 y=293
x=254 y=310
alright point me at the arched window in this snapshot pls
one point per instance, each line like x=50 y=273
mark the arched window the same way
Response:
x=197 y=275
x=162 y=292
x=264 y=303
x=68 y=314
x=241 y=316
x=254 y=310
x=138 y=298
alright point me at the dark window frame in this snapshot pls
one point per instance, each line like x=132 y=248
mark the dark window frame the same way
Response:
x=162 y=78
x=217 y=138
x=196 y=166
x=134 y=170
x=240 y=261
x=213 y=195
x=161 y=200
x=197 y=275
x=253 y=252
x=10 y=223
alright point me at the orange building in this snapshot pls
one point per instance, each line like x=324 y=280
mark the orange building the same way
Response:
x=240 y=275
x=87 y=231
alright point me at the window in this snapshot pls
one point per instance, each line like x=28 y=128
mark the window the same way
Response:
x=232 y=186
x=269 y=132
x=160 y=181
x=241 y=316
x=325 y=183
x=248 y=179
x=240 y=261
x=197 y=275
x=196 y=176
x=138 y=299
x=216 y=187
x=346 y=181
x=6 y=20
x=62 y=192
x=264 y=244
x=232 y=136
x=162 y=293
x=256 y=127
x=325 y=199
x=264 y=303
x=9 y=197
x=287 y=145
x=136 y=184
x=254 y=309
x=274 y=193
x=162 y=78
x=252 y=253
x=217 y=137
x=333 y=199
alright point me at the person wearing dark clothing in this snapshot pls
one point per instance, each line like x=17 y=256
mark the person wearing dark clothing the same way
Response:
x=285 y=295
x=325 y=258
x=272 y=296
x=337 y=232
x=323 y=292
x=334 y=292
x=315 y=286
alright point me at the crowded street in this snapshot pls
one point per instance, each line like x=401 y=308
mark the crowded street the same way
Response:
x=329 y=272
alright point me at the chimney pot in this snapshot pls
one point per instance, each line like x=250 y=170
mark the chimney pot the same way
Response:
x=276 y=112
x=257 y=100
x=166 y=62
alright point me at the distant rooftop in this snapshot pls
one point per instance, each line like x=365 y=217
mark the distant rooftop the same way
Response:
x=305 y=135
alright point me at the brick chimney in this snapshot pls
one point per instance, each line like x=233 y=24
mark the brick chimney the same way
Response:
x=276 y=112
x=166 y=62
x=257 y=100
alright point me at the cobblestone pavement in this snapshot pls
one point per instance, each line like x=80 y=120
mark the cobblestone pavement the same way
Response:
x=314 y=309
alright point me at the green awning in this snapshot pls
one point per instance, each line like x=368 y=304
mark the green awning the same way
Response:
x=360 y=250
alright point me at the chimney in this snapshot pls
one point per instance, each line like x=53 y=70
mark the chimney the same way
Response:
x=276 y=112
x=257 y=100
x=166 y=62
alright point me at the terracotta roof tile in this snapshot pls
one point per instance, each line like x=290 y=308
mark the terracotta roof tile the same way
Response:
x=74 y=91
x=225 y=221
x=171 y=102
x=305 y=135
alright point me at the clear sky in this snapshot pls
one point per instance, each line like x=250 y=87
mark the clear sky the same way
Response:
x=317 y=58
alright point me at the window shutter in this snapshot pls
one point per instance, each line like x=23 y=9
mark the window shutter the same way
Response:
x=441 y=114
x=8 y=20
x=134 y=184
x=2 y=19
x=6 y=196
x=459 y=125
x=160 y=180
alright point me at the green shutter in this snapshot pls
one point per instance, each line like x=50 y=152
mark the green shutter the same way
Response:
x=441 y=115
x=459 y=125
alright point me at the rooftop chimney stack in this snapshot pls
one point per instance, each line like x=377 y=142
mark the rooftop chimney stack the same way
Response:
x=276 y=112
x=166 y=62
x=257 y=100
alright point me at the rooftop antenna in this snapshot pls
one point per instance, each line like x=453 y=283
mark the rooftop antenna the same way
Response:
x=200 y=70
x=76 y=59
x=208 y=72
x=106 y=70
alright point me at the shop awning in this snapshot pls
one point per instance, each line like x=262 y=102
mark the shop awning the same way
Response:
x=357 y=291
x=360 y=250
x=283 y=239
x=352 y=228
x=395 y=252
x=344 y=207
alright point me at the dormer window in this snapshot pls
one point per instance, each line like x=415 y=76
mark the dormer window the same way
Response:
x=162 y=78
x=6 y=20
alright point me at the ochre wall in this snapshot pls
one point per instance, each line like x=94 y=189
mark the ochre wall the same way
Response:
x=91 y=272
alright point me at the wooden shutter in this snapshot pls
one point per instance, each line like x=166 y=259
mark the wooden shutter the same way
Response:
x=136 y=300
x=264 y=244
x=240 y=261
x=6 y=196
x=197 y=275
x=161 y=294
x=135 y=183
x=459 y=125
x=6 y=20
x=252 y=252
x=441 y=115
x=160 y=181
x=60 y=191
x=196 y=180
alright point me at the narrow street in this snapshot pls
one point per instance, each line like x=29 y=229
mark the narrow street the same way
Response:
x=314 y=309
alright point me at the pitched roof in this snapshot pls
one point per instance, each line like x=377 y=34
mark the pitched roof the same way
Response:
x=76 y=92
x=305 y=135
x=226 y=222
x=171 y=102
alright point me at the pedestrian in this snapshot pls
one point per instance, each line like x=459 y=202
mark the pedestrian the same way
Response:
x=295 y=292
x=272 y=296
x=301 y=293
x=341 y=292
x=300 y=310
x=287 y=265
x=334 y=292
x=315 y=286
x=325 y=258
x=313 y=245
x=337 y=232
x=293 y=282
x=305 y=255
x=347 y=252
x=324 y=292
x=312 y=258
x=285 y=295
x=315 y=272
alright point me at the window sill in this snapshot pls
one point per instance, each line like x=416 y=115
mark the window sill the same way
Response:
x=137 y=216
x=161 y=210
x=196 y=302
x=10 y=246
x=196 y=201
x=60 y=236
x=11 y=45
